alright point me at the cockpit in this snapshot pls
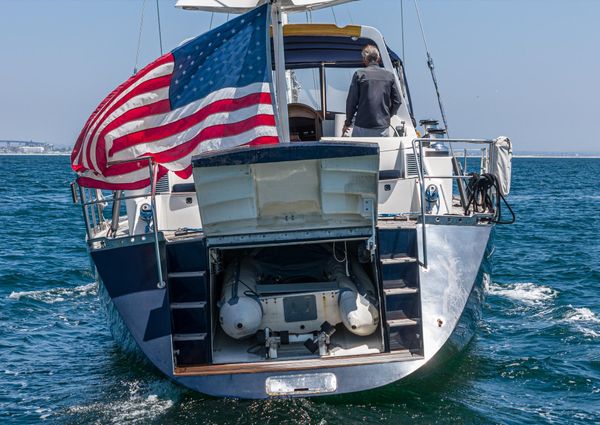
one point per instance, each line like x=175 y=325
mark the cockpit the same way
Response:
x=320 y=60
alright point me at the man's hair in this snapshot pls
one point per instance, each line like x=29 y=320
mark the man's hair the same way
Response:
x=370 y=54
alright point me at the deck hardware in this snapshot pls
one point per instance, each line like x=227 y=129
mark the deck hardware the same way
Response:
x=432 y=199
x=116 y=207
x=369 y=210
x=322 y=340
x=74 y=193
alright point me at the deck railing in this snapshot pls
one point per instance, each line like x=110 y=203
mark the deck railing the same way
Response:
x=460 y=177
x=93 y=203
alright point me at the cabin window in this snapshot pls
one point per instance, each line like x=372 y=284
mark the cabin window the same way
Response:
x=338 y=82
x=305 y=87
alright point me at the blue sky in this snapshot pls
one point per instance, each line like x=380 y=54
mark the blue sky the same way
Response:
x=528 y=69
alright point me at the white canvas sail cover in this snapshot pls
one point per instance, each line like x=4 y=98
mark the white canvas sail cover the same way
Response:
x=502 y=163
x=241 y=6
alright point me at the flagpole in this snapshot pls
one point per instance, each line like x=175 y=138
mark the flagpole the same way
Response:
x=280 y=77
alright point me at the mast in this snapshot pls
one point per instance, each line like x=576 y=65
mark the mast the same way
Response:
x=281 y=99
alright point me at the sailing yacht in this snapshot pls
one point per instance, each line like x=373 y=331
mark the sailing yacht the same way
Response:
x=318 y=264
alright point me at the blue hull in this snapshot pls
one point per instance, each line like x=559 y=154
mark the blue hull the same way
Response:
x=139 y=311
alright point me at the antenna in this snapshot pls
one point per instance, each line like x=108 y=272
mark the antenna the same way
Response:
x=159 y=28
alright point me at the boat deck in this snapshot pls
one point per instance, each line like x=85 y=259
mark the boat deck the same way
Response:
x=296 y=365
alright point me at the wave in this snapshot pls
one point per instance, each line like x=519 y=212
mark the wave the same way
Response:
x=143 y=404
x=583 y=319
x=55 y=295
x=526 y=292
x=581 y=314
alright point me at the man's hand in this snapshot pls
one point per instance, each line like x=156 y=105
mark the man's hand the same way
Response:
x=345 y=130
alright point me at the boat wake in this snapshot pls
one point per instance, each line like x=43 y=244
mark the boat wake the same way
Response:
x=527 y=292
x=584 y=320
x=55 y=295
x=580 y=319
x=143 y=403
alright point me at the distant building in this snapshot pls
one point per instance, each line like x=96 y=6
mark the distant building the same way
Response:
x=31 y=149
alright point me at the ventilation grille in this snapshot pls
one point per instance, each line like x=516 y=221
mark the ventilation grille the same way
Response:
x=163 y=184
x=412 y=169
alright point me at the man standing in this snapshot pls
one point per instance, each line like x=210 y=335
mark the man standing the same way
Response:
x=373 y=97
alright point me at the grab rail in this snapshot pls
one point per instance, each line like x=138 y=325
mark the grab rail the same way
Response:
x=484 y=165
x=93 y=211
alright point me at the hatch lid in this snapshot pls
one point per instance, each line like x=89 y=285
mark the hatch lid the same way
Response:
x=287 y=188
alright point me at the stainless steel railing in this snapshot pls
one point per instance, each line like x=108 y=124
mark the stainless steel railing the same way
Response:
x=485 y=159
x=93 y=203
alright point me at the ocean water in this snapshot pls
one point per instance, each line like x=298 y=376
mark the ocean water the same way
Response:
x=535 y=358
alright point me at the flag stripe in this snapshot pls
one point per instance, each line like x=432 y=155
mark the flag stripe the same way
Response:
x=212 y=92
x=145 y=88
x=214 y=132
x=162 y=66
x=169 y=129
x=179 y=138
x=157 y=69
x=189 y=109
x=159 y=97
x=139 y=177
x=131 y=115
x=263 y=133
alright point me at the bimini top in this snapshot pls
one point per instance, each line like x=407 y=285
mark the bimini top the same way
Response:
x=309 y=45
x=241 y=6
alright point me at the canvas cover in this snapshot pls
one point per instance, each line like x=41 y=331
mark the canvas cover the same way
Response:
x=502 y=163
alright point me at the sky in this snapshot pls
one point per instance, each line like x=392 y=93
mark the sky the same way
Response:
x=526 y=69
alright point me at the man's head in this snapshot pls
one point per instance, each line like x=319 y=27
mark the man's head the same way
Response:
x=370 y=54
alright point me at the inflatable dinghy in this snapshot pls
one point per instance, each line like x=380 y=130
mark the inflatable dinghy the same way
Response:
x=247 y=307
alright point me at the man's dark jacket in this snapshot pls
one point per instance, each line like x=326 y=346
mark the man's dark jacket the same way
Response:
x=373 y=97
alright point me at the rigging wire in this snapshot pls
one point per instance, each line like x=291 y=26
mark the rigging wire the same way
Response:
x=159 y=28
x=402 y=27
x=334 y=17
x=457 y=169
x=350 y=15
x=139 y=43
x=432 y=70
x=212 y=16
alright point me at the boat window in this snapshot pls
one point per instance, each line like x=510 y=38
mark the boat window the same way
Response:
x=305 y=87
x=338 y=82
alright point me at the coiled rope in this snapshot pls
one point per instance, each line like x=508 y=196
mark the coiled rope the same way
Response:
x=479 y=198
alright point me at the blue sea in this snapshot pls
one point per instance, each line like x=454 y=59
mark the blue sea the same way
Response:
x=535 y=357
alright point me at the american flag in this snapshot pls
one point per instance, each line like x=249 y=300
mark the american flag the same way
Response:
x=213 y=92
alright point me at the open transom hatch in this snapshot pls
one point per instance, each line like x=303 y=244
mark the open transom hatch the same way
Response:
x=282 y=188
